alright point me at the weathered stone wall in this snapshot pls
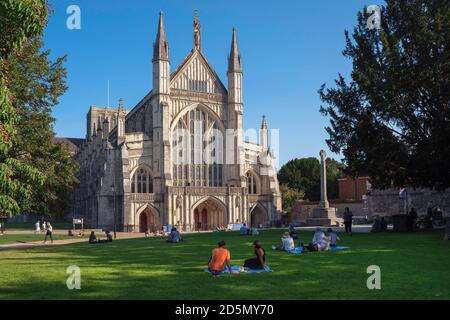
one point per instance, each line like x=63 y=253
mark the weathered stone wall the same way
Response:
x=388 y=202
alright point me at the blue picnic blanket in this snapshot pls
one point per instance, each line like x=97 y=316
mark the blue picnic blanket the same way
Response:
x=336 y=248
x=236 y=269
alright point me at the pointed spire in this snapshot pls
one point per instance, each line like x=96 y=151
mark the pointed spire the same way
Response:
x=161 y=46
x=120 y=105
x=197 y=32
x=234 y=60
x=264 y=123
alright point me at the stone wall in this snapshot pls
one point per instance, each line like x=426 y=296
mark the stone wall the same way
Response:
x=388 y=202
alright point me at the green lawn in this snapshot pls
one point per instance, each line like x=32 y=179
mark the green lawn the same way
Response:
x=30 y=225
x=23 y=238
x=413 y=266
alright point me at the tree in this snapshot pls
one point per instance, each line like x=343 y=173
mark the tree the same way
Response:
x=289 y=196
x=36 y=83
x=304 y=175
x=19 y=20
x=391 y=121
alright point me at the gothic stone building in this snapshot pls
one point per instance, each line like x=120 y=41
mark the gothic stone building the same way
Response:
x=177 y=157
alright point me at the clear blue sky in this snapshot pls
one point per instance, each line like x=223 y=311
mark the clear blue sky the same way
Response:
x=289 y=48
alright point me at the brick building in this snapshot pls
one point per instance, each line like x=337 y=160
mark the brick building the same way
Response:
x=353 y=189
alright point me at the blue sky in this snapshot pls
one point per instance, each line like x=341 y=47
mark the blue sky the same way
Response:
x=288 y=47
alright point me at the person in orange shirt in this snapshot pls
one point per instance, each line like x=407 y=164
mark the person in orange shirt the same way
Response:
x=219 y=258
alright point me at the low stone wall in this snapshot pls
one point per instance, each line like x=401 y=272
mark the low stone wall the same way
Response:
x=302 y=210
x=388 y=202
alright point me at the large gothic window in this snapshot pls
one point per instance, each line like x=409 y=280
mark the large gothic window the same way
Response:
x=252 y=183
x=142 y=181
x=197 y=150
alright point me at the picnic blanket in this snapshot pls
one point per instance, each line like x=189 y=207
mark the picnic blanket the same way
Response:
x=336 y=248
x=236 y=269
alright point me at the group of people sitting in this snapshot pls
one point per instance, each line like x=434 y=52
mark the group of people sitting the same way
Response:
x=321 y=241
x=379 y=225
x=93 y=238
x=220 y=259
x=245 y=231
x=221 y=229
x=174 y=236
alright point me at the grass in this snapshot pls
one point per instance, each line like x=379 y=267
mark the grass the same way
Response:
x=30 y=225
x=413 y=266
x=24 y=238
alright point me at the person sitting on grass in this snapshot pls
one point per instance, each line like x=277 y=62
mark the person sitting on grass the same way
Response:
x=244 y=230
x=333 y=237
x=69 y=233
x=287 y=243
x=376 y=225
x=174 y=236
x=220 y=257
x=321 y=240
x=109 y=237
x=93 y=238
x=293 y=232
x=259 y=260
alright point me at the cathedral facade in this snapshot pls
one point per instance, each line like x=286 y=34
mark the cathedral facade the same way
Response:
x=178 y=157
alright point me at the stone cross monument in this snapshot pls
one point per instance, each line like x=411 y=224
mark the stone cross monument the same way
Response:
x=323 y=181
x=323 y=215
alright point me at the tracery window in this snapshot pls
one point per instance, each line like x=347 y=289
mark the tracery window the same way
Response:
x=197 y=150
x=252 y=183
x=142 y=181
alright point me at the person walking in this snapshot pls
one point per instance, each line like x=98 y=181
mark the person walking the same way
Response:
x=348 y=220
x=37 y=227
x=49 y=232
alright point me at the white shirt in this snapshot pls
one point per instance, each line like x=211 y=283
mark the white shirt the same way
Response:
x=318 y=237
x=333 y=237
x=288 y=243
x=37 y=225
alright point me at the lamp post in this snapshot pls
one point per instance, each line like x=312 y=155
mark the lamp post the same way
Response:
x=113 y=189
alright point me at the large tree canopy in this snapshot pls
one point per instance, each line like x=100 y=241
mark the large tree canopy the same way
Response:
x=36 y=175
x=304 y=175
x=391 y=121
x=19 y=21
x=36 y=83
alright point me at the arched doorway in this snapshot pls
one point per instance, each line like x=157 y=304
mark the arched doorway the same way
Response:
x=143 y=225
x=258 y=216
x=149 y=220
x=209 y=214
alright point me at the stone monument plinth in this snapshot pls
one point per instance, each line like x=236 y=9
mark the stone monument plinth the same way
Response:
x=323 y=215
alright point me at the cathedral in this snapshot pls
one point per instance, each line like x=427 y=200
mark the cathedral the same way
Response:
x=178 y=157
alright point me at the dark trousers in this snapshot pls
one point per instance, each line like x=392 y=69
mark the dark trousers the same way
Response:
x=48 y=234
x=348 y=226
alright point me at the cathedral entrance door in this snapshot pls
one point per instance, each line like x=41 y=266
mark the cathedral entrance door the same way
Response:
x=143 y=226
x=258 y=216
x=205 y=219
x=210 y=213
x=197 y=223
x=149 y=221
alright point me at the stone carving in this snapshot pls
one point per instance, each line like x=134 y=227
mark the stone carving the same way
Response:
x=197 y=33
x=179 y=201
